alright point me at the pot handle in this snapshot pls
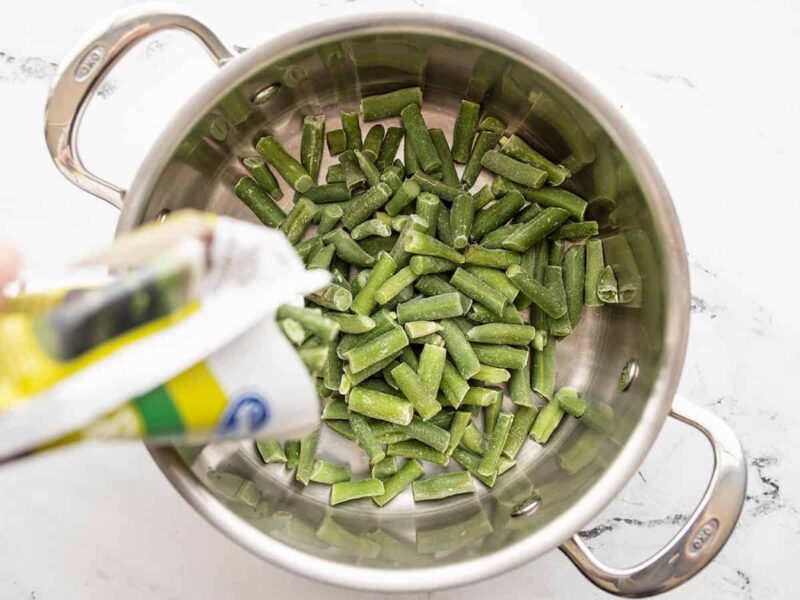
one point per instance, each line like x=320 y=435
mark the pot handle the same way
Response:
x=87 y=66
x=703 y=535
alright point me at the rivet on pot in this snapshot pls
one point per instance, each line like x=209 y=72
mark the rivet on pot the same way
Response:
x=262 y=95
x=162 y=215
x=527 y=506
x=629 y=374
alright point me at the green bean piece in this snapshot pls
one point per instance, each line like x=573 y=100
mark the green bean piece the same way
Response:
x=354 y=177
x=409 y=472
x=311 y=143
x=394 y=285
x=519 y=386
x=348 y=249
x=368 y=167
x=520 y=428
x=418 y=329
x=513 y=170
x=496 y=215
x=425 y=265
x=442 y=419
x=491 y=375
x=409 y=158
x=431 y=308
x=380 y=405
x=480 y=396
x=546 y=422
x=607 y=288
x=406 y=294
x=443 y=485
x=435 y=187
x=305 y=460
x=420 y=139
x=554 y=281
x=292 y=450
x=330 y=217
x=543 y=372
x=459 y=349
x=431 y=368
x=541 y=296
x=559 y=198
x=287 y=167
x=372 y=142
x=454 y=387
x=346 y=491
x=307 y=248
x=259 y=171
x=527 y=213
x=504 y=357
x=427 y=433
x=497 y=442
x=461 y=219
x=443 y=229
x=461 y=420
x=498 y=259
x=366 y=439
x=417 y=242
x=352 y=130
x=394 y=181
x=371 y=228
x=332 y=297
x=418 y=451
x=329 y=472
x=311 y=320
x=416 y=391
x=570 y=402
x=594 y=267
x=333 y=534
x=270 y=451
x=540 y=340
x=576 y=232
x=399 y=222
x=502 y=333
x=494 y=239
x=299 y=220
x=464 y=130
x=428 y=208
x=389 y=147
x=482 y=315
x=490 y=414
x=517 y=148
x=381 y=385
x=557 y=250
x=293 y=331
x=335 y=410
x=471 y=462
x=384 y=469
x=482 y=197
x=407 y=193
x=471 y=286
x=360 y=280
x=365 y=301
x=574 y=271
x=374 y=245
x=542 y=225
x=314 y=358
x=372 y=200
x=390 y=104
x=322 y=258
x=328 y=193
x=259 y=202
x=430 y=285
x=490 y=132
x=496 y=279
x=337 y=141
x=335 y=174
x=384 y=321
x=449 y=175
x=501 y=186
x=473 y=440
x=375 y=350
x=409 y=357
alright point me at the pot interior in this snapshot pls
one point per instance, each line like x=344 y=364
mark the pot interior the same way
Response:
x=330 y=76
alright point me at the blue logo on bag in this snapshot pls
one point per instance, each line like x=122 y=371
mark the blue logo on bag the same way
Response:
x=246 y=415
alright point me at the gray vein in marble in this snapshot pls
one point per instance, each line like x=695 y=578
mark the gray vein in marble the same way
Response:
x=21 y=69
x=742 y=582
x=611 y=524
x=665 y=77
x=702 y=307
x=769 y=499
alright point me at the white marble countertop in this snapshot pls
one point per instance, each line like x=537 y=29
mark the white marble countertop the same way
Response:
x=710 y=87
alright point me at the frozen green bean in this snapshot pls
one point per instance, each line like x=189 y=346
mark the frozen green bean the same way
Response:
x=607 y=288
x=270 y=451
x=371 y=228
x=481 y=396
x=498 y=259
x=554 y=281
x=502 y=333
x=497 y=442
x=494 y=239
x=376 y=350
x=335 y=174
x=559 y=198
x=409 y=472
x=496 y=215
x=368 y=203
x=519 y=386
x=390 y=104
x=259 y=171
x=420 y=138
x=424 y=265
x=504 y=357
x=418 y=329
x=409 y=158
x=354 y=177
x=517 y=148
x=542 y=225
x=314 y=358
x=473 y=440
x=557 y=250
x=259 y=202
x=380 y=405
x=471 y=462
x=570 y=401
x=372 y=142
x=311 y=320
x=436 y=187
x=329 y=472
x=479 y=291
x=366 y=438
x=418 y=451
x=292 y=450
x=461 y=421
x=389 y=147
x=543 y=373
x=335 y=410
x=482 y=315
x=293 y=331
x=431 y=367
x=459 y=349
x=330 y=217
x=346 y=491
x=407 y=193
x=427 y=433
x=461 y=219
x=594 y=266
x=464 y=130
x=312 y=141
x=449 y=175
x=574 y=271
x=496 y=279
x=431 y=285
x=287 y=167
x=332 y=297
x=307 y=248
x=483 y=197
x=299 y=220
x=371 y=172
x=546 y=422
x=394 y=285
x=327 y=193
x=537 y=293
x=415 y=390
x=430 y=308
x=490 y=132
x=576 y=232
x=417 y=242
x=454 y=387
x=520 y=428
x=513 y=170
x=501 y=186
x=384 y=469
x=352 y=130
x=322 y=258
x=443 y=485
x=443 y=229
x=337 y=141
x=305 y=460
x=492 y=375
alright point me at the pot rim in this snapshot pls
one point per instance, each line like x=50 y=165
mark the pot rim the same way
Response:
x=676 y=302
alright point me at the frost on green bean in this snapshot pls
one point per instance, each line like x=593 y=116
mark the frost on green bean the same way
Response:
x=443 y=485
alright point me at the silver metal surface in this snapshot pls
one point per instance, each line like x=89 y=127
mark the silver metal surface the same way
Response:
x=87 y=66
x=704 y=533
x=326 y=68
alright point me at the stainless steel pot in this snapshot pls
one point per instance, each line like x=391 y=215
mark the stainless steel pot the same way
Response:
x=628 y=357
